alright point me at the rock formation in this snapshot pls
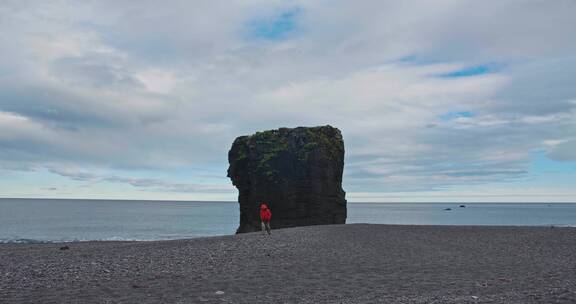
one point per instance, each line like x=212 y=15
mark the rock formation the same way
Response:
x=298 y=172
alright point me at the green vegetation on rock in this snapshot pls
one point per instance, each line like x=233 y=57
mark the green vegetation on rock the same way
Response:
x=295 y=170
x=263 y=149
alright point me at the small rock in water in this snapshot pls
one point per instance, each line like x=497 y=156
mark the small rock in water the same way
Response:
x=64 y=248
x=219 y=292
x=447 y=209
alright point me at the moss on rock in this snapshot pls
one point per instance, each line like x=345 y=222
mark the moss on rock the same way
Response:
x=299 y=167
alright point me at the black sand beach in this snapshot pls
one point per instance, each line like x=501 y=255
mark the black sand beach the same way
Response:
x=321 y=264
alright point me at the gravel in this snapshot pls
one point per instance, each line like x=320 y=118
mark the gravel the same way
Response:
x=356 y=263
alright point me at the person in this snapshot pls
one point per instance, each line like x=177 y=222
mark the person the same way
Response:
x=265 y=216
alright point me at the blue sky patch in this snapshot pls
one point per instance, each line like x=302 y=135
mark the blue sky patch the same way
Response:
x=415 y=59
x=454 y=115
x=472 y=71
x=409 y=58
x=276 y=28
x=542 y=164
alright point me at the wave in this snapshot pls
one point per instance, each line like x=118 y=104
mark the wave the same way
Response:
x=110 y=239
x=23 y=241
x=16 y=240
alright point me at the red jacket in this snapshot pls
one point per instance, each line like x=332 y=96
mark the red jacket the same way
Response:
x=265 y=213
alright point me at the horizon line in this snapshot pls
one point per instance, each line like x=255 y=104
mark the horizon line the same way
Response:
x=217 y=201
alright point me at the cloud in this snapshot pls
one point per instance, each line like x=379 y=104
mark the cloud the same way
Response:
x=564 y=151
x=428 y=95
x=145 y=184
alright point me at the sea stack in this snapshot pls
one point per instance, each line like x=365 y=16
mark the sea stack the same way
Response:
x=297 y=172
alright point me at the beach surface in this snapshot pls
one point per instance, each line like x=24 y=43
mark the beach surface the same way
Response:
x=355 y=263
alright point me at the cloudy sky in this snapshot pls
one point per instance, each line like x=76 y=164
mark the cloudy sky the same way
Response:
x=444 y=100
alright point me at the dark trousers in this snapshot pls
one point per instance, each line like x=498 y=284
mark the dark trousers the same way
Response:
x=266 y=226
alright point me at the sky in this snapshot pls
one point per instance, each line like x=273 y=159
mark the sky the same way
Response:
x=437 y=100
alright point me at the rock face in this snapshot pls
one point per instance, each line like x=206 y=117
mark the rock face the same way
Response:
x=298 y=172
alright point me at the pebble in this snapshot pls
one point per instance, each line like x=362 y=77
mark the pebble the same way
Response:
x=178 y=271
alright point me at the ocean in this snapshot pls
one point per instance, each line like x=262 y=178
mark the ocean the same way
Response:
x=54 y=220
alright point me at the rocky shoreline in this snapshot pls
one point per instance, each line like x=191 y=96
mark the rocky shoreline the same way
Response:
x=356 y=263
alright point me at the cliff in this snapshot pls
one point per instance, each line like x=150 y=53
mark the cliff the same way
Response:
x=298 y=172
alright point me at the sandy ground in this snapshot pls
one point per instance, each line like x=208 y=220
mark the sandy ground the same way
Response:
x=322 y=264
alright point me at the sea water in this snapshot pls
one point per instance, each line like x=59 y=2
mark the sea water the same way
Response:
x=54 y=220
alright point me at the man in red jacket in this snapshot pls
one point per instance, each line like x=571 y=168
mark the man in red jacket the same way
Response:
x=265 y=216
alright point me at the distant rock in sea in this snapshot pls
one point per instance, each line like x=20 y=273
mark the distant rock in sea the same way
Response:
x=298 y=172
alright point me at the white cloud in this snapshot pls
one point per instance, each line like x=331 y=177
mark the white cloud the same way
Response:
x=147 y=184
x=564 y=151
x=124 y=85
